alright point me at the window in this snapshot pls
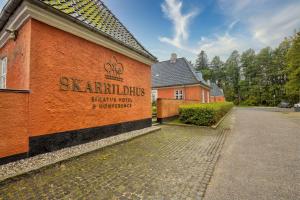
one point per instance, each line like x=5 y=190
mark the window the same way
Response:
x=203 y=97
x=154 y=95
x=3 y=72
x=179 y=94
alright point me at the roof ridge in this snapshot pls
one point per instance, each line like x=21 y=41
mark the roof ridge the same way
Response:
x=189 y=66
x=92 y=14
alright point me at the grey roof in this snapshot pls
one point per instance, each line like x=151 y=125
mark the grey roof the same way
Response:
x=92 y=14
x=179 y=73
x=216 y=90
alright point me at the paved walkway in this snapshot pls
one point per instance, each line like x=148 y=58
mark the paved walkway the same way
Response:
x=174 y=163
x=260 y=158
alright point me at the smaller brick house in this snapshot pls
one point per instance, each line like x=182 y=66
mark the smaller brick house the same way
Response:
x=177 y=79
x=216 y=93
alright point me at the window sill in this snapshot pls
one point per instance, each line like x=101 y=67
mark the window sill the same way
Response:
x=14 y=91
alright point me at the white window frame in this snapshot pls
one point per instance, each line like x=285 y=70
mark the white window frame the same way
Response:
x=203 y=96
x=208 y=97
x=179 y=94
x=154 y=95
x=3 y=72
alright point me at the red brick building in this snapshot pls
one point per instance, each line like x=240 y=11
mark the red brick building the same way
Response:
x=69 y=75
x=216 y=93
x=177 y=79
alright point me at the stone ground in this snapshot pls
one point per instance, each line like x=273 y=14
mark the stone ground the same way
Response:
x=33 y=163
x=260 y=158
x=173 y=163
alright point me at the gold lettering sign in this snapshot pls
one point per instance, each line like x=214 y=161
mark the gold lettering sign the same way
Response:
x=105 y=101
x=77 y=85
x=104 y=90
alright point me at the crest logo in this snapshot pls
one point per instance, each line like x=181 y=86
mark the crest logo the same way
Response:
x=114 y=69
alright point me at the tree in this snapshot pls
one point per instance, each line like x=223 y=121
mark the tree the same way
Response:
x=264 y=78
x=201 y=61
x=217 y=72
x=232 y=89
x=279 y=72
x=202 y=65
x=248 y=77
x=293 y=70
x=263 y=64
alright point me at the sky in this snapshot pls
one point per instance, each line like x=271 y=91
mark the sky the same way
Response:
x=218 y=27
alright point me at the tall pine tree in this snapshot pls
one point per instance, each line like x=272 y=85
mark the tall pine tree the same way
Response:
x=232 y=88
x=293 y=70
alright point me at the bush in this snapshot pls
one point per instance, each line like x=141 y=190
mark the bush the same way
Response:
x=154 y=109
x=251 y=101
x=203 y=114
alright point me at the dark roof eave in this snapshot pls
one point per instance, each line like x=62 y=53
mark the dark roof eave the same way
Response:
x=197 y=83
x=12 y=5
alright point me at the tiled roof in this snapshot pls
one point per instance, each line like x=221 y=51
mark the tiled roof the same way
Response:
x=94 y=14
x=216 y=90
x=179 y=73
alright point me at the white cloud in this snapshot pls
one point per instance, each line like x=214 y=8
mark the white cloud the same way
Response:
x=173 y=11
x=270 y=28
x=267 y=21
x=260 y=23
x=220 y=45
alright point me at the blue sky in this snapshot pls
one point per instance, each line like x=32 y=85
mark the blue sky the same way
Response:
x=216 y=26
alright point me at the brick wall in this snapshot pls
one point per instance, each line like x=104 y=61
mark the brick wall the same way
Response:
x=190 y=93
x=18 y=58
x=217 y=99
x=55 y=53
x=13 y=123
x=167 y=108
x=38 y=60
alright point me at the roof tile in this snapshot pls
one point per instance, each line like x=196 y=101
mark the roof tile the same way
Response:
x=179 y=73
x=95 y=14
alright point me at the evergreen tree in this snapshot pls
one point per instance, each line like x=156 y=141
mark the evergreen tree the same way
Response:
x=264 y=75
x=232 y=89
x=201 y=61
x=293 y=70
x=279 y=72
x=264 y=78
x=202 y=65
x=248 y=77
x=217 y=72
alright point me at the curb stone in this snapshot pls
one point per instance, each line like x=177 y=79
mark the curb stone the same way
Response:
x=191 y=125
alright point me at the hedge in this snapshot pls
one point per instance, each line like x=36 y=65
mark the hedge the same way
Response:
x=203 y=114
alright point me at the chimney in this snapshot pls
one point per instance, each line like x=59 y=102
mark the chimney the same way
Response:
x=173 y=58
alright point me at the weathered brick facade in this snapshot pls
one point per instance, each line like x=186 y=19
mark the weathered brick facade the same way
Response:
x=37 y=61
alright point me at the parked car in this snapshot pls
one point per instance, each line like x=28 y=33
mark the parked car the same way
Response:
x=297 y=107
x=284 y=104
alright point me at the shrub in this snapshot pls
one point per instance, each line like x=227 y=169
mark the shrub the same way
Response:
x=203 y=114
x=154 y=109
x=251 y=101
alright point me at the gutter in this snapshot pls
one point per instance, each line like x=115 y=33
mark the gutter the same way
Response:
x=7 y=11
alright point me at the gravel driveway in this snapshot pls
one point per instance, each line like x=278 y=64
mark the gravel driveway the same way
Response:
x=260 y=158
